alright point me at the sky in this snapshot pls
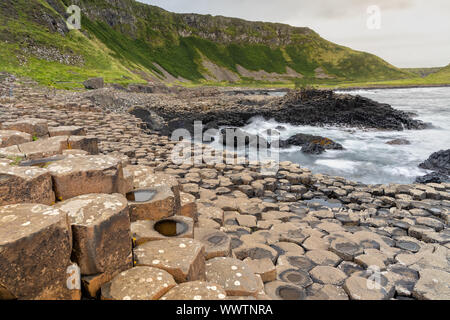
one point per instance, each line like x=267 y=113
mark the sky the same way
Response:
x=406 y=33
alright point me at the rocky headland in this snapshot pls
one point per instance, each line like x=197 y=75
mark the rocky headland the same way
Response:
x=216 y=107
x=93 y=185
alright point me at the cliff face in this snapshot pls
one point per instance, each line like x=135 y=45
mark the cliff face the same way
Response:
x=126 y=40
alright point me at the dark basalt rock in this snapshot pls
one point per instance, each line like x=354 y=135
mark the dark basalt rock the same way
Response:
x=153 y=121
x=94 y=83
x=313 y=148
x=320 y=107
x=240 y=136
x=142 y=88
x=433 y=177
x=314 y=107
x=308 y=107
x=304 y=140
x=439 y=162
x=399 y=142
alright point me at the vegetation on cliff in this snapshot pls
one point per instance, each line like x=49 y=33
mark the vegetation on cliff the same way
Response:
x=127 y=42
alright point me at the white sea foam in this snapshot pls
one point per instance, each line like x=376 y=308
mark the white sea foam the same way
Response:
x=367 y=157
x=344 y=165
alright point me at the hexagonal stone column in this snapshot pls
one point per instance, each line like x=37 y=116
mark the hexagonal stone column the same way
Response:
x=67 y=131
x=101 y=232
x=182 y=258
x=279 y=290
x=12 y=137
x=78 y=175
x=25 y=185
x=144 y=231
x=88 y=144
x=188 y=206
x=35 y=250
x=152 y=203
x=144 y=178
x=217 y=243
x=35 y=127
x=140 y=283
x=196 y=290
x=359 y=288
x=434 y=284
x=233 y=275
x=43 y=148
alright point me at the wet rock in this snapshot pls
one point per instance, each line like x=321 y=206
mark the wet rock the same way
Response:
x=217 y=243
x=85 y=175
x=399 y=142
x=304 y=140
x=296 y=262
x=349 y=268
x=152 y=119
x=255 y=251
x=434 y=177
x=431 y=222
x=235 y=137
x=294 y=276
x=101 y=232
x=182 y=258
x=25 y=185
x=279 y=290
x=403 y=278
x=29 y=233
x=438 y=161
x=233 y=275
x=196 y=290
x=288 y=248
x=408 y=245
x=313 y=148
x=290 y=232
x=419 y=231
x=139 y=283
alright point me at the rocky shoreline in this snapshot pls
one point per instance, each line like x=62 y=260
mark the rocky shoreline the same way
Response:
x=216 y=107
x=123 y=222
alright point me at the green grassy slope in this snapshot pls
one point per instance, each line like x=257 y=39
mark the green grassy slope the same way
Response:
x=122 y=40
x=422 y=72
x=442 y=76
